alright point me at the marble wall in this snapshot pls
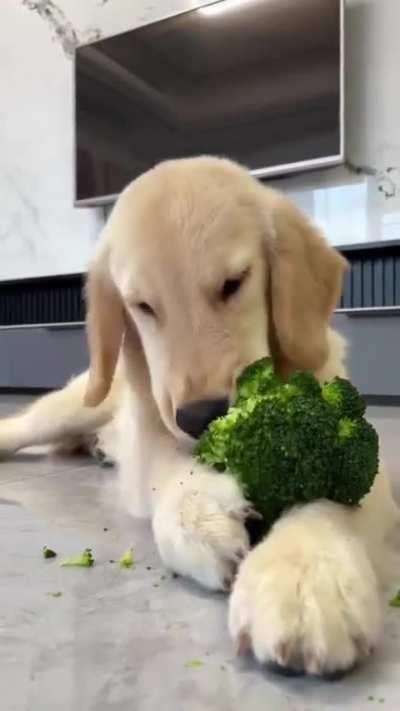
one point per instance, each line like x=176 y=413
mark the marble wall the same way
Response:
x=40 y=231
x=355 y=208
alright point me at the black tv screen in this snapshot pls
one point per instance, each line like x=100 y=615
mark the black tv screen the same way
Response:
x=259 y=81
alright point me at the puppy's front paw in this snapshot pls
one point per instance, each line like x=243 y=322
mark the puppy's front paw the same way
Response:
x=312 y=609
x=199 y=529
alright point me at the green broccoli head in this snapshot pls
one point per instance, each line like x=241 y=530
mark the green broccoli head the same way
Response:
x=293 y=442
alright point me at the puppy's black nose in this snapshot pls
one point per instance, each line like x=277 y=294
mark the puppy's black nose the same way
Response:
x=194 y=417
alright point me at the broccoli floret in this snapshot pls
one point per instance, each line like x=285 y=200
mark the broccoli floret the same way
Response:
x=127 y=560
x=257 y=379
x=305 y=383
x=212 y=443
x=48 y=553
x=358 y=460
x=340 y=393
x=84 y=560
x=292 y=443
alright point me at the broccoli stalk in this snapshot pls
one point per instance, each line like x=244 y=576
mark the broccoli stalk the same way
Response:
x=84 y=560
x=293 y=442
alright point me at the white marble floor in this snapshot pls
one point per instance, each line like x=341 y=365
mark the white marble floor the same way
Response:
x=139 y=639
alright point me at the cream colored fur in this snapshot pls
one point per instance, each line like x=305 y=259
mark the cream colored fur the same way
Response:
x=308 y=596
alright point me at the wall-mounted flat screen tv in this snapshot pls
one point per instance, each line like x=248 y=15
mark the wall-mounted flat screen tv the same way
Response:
x=259 y=81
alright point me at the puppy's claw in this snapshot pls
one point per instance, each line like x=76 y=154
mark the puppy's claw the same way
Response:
x=283 y=652
x=363 y=646
x=246 y=512
x=227 y=584
x=243 y=643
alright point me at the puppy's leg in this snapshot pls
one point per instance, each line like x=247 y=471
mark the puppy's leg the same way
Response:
x=58 y=416
x=307 y=599
x=198 y=525
x=198 y=515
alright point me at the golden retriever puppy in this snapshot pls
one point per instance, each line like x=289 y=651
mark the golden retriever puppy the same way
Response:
x=201 y=270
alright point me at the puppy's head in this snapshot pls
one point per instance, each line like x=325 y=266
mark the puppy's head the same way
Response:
x=201 y=270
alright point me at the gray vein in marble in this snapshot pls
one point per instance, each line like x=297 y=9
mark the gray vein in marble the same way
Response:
x=29 y=206
x=389 y=182
x=63 y=30
x=15 y=226
x=90 y=35
x=11 y=229
x=387 y=179
x=15 y=229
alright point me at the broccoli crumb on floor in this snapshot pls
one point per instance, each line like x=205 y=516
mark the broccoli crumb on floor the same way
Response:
x=395 y=601
x=194 y=664
x=84 y=560
x=54 y=594
x=127 y=560
x=48 y=553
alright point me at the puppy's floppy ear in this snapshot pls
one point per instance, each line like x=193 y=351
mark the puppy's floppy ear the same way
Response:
x=105 y=328
x=305 y=281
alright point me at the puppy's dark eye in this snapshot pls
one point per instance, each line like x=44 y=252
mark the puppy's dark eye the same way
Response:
x=145 y=308
x=232 y=286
